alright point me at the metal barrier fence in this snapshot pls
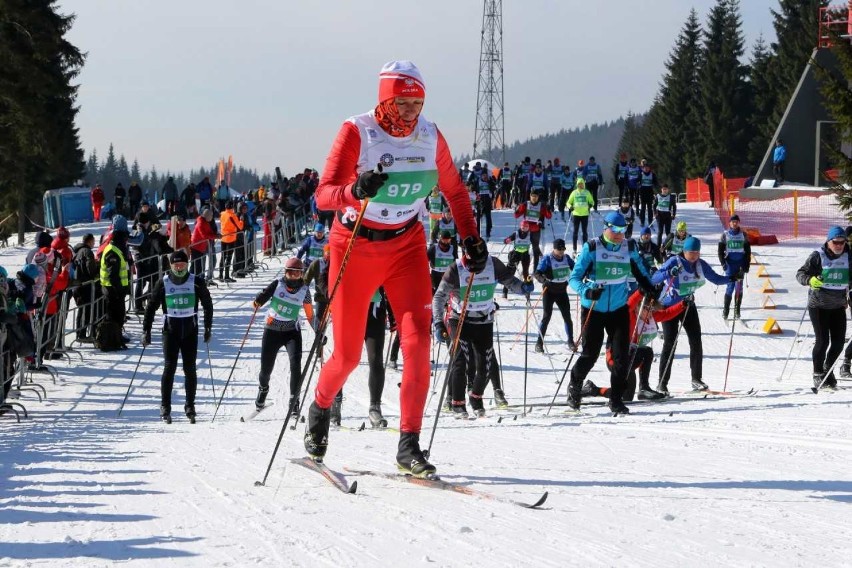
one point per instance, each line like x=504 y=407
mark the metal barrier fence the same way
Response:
x=55 y=334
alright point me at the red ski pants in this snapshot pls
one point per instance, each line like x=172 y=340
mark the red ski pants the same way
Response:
x=400 y=265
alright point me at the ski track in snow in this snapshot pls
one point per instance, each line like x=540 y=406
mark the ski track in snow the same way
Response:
x=748 y=481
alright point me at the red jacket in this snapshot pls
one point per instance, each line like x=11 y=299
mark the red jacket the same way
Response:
x=60 y=284
x=338 y=177
x=97 y=195
x=521 y=209
x=202 y=233
x=659 y=316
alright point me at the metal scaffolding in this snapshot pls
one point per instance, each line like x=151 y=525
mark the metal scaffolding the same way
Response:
x=488 y=141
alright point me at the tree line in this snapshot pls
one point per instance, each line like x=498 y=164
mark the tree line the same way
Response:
x=714 y=106
x=113 y=170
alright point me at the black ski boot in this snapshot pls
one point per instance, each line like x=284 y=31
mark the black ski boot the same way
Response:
x=476 y=405
x=189 y=410
x=393 y=364
x=505 y=293
x=590 y=389
x=166 y=414
x=500 y=399
x=409 y=459
x=845 y=372
x=260 y=401
x=335 y=409
x=699 y=385
x=459 y=410
x=831 y=382
x=618 y=407
x=316 y=432
x=818 y=379
x=293 y=405
x=539 y=346
x=738 y=301
x=663 y=387
x=376 y=418
x=726 y=309
x=647 y=393
x=575 y=394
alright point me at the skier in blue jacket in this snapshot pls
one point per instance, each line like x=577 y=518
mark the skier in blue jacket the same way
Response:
x=600 y=278
x=682 y=275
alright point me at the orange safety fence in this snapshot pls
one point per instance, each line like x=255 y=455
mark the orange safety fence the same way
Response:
x=788 y=214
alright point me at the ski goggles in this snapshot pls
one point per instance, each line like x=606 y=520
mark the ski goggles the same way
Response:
x=616 y=228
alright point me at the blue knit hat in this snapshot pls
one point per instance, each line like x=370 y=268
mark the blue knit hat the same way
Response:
x=319 y=228
x=836 y=232
x=691 y=244
x=646 y=230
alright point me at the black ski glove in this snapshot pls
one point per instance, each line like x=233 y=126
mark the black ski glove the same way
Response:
x=475 y=254
x=440 y=332
x=594 y=294
x=369 y=183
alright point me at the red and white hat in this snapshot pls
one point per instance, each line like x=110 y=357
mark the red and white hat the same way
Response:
x=400 y=79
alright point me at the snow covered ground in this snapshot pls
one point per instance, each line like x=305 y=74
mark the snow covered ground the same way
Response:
x=750 y=481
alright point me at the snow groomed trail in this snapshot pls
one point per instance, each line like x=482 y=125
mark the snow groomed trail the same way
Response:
x=760 y=480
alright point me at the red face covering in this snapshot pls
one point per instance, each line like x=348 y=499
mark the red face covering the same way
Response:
x=388 y=118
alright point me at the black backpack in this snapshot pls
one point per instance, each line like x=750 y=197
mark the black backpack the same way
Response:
x=108 y=336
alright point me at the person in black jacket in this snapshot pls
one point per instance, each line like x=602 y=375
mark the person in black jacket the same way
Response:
x=88 y=289
x=120 y=194
x=553 y=272
x=288 y=295
x=178 y=295
x=826 y=272
x=134 y=195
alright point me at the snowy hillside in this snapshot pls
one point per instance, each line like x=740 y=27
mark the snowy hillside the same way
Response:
x=758 y=480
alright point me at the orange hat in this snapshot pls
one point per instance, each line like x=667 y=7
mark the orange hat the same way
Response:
x=400 y=79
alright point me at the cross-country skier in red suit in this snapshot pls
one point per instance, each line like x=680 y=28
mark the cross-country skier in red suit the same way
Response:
x=388 y=251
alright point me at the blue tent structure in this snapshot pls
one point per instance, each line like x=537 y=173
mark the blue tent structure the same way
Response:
x=67 y=206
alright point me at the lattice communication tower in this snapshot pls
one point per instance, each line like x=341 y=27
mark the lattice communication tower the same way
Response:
x=490 y=124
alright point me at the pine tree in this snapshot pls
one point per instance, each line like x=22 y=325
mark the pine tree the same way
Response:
x=40 y=146
x=668 y=133
x=109 y=173
x=763 y=100
x=92 y=169
x=838 y=100
x=723 y=108
x=629 y=143
x=123 y=172
x=135 y=174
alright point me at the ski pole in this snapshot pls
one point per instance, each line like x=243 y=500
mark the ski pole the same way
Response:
x=677 y=337
x=390 y=346
x=435 y=367
x=731 y=340
x=499 y=351
x=453 y=353
x=793 y=344
x=234 y=366
x=541 y=337
x=527 y=319
x=526 y=357
x=568 y=366
x=120 y=408
x=630 y=341
x=320 y=333
x=210 y=366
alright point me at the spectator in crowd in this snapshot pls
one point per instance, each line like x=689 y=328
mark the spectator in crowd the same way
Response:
x=97 y=201
x=134 y=195
x=204 y=189
x=779 y=157
x=170 y=195
x=87 y=288
x=120 y=195
x=709 y=179
x=231 y=226
x=203 y=235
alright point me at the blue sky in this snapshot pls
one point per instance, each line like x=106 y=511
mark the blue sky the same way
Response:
x=179 y=84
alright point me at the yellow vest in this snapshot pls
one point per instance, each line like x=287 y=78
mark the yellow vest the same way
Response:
x=124 y=270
